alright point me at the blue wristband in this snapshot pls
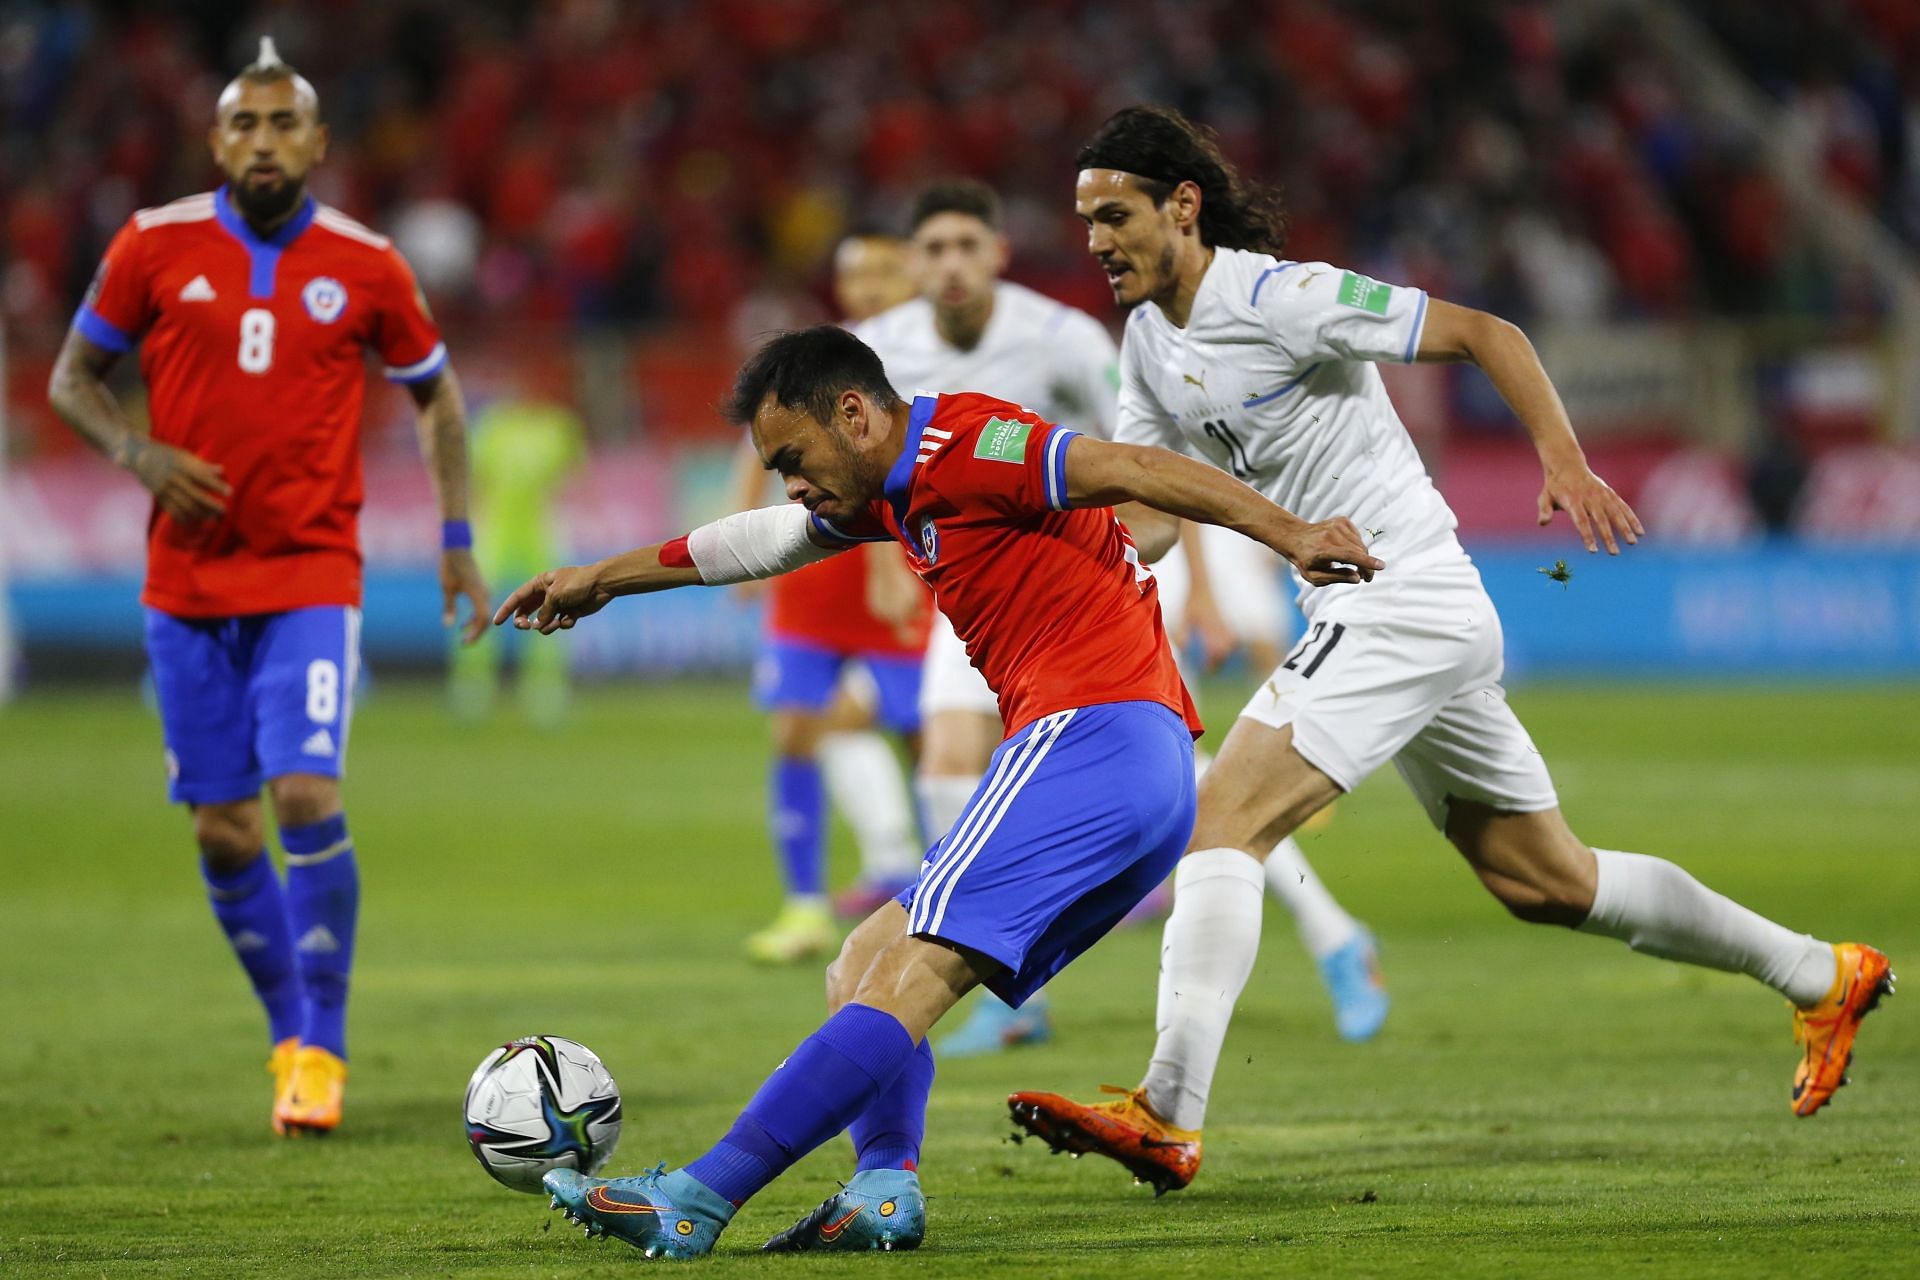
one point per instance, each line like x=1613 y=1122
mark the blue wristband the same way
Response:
x=455 y=535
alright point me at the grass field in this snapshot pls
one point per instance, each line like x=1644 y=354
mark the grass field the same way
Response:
x=1539 y=1103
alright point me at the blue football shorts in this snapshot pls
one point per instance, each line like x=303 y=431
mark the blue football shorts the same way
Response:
x=247 y=698
x=791 y=675
x=1079 y=816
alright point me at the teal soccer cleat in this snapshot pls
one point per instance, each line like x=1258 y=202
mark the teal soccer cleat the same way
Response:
x=994 y=1025
x=879 y=1209
x=664 y=1215
x=1352 y=975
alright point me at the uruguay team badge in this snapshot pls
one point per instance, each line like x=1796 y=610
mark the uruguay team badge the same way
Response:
x=325 y=298
x=929 y=540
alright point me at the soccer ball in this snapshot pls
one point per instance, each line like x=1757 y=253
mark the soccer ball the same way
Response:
x=541 y=1103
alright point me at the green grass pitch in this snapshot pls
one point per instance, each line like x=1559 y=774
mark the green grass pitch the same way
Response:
x=1539 y=1103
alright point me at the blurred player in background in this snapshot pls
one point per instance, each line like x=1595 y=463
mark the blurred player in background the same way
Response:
x=525 y=448
x=971 y=330
x=828 y=667
x=254 y=306
x=1266 y=367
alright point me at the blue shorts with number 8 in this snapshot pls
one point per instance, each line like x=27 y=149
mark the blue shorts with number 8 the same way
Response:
x=254 y=697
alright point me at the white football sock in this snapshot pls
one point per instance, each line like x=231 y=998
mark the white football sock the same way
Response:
x=869 y=789
x=943 y=798
x=1324 y=925
x=1655 y=907
x=1206 y=956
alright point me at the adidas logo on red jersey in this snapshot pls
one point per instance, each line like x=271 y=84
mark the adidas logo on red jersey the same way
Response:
x=197 y=290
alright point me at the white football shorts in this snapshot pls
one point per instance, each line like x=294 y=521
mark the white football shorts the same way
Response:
x=1407 y=668
x=948 y=681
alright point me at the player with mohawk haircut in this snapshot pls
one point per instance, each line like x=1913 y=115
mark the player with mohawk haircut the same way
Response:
x=254 y=307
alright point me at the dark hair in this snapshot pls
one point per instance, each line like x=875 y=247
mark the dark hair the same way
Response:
x=808 y=369
x=955 y=195
x=1163 y=149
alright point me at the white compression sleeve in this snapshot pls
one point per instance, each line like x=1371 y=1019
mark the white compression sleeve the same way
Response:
x=761 y=543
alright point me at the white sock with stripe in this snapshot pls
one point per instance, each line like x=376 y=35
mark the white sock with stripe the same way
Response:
x=1206 y=957
x=867 y=787
x=1324 y=924
x=1657 y=908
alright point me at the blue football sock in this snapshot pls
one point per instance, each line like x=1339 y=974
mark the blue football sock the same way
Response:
x=824 y=1085
x=799 y=820
x=323 y=904
x=249 y=906
x=887 y=1135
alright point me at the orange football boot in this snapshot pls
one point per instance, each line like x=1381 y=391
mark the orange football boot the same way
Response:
x=1827 y=1029
x=1127 y=1130
x=313 y=1100
x=280 y=1067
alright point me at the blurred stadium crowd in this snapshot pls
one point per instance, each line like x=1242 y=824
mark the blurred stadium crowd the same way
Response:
x=607 y=202
x=589 y=164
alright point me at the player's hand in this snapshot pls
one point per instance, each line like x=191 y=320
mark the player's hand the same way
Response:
x=187 y=488
x=460 y=576
x=1206 y=624
x=1596 y=510
x=1329 y=552
x=554 y=600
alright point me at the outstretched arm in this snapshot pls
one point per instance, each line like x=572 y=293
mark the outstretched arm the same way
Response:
x=1102 y=474
x=749 y=544
x=1455 y=333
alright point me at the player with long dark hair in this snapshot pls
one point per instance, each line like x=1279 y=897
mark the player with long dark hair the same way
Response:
x=1266 y=367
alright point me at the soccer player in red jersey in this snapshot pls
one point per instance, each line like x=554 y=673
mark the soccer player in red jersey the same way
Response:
x=1088 y=800
x=253 y=307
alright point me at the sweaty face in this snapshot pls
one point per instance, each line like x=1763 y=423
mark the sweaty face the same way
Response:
x=1132 y=238
x=266 y=141
x=956 y=259
x=869 y=276
x=823 y=472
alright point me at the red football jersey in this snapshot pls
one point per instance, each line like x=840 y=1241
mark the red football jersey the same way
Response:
x=1052 y=602
x=253 y=353
x=825 y=604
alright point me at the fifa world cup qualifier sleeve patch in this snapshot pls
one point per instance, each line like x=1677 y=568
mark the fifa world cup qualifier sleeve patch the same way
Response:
x=1368 y=295
x=1003 y=440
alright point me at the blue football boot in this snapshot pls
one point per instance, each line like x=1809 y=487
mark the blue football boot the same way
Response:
x=995 y=1025
x=1352 y=975
x=879 y=1209
x=664 y=1215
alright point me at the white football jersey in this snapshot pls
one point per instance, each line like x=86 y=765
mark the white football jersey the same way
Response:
x=1043 y=355
x=1273 y=381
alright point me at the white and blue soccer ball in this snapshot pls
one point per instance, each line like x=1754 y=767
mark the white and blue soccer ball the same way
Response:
x=540 y=1103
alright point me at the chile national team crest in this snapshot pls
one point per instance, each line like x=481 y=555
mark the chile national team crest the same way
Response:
x=929 y=540
x=325 y=298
